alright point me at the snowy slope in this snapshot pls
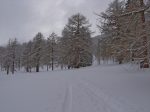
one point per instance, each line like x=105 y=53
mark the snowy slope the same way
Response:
x=93 y=89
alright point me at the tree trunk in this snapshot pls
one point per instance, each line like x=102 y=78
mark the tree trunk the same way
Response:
x=47 y=67
x=30 y=69
x=62 y=67
x=27 y=69
x=37 y=68
x=13 y=67
x=19 y=64
x=7 y=69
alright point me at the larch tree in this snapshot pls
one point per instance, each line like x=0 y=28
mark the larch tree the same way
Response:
x=111 y=29
x=27 y=56
x=2 y=57
x=50 y=51
x=37 y=50
x=53 y=37
x=10 y=56
x=135 y=13
x=77 y=40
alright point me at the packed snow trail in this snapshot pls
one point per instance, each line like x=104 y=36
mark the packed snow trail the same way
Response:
x=67 y=104
x=103 y=102
x=93 y=89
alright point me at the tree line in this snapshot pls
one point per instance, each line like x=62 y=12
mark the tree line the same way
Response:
x=72 y=50
x=124 y=37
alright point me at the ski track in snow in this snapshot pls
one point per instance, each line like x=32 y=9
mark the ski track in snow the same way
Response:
x=67 y=104
x=63 y=91
x=97 y=100
x=103 y=102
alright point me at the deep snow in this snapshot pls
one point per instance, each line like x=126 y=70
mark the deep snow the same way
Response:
x=93 y=89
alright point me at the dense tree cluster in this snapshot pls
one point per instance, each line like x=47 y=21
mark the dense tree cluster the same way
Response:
x=125 y=29
x=72 y=50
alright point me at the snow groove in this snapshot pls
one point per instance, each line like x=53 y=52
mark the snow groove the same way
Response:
x=103 y=102
x=67 y=104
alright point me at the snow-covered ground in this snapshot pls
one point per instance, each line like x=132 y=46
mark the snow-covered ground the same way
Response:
x=93 y=89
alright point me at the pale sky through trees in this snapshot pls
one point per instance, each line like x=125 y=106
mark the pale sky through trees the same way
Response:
x=22 y=19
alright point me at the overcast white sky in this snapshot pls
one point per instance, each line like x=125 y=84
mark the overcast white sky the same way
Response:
x=22 y=19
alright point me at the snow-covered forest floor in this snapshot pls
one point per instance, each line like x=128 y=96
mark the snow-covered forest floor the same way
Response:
x=104 y=88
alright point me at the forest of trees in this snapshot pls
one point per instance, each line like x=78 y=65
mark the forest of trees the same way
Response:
x=125 y=34
x=72 y=50
x=124 y=37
